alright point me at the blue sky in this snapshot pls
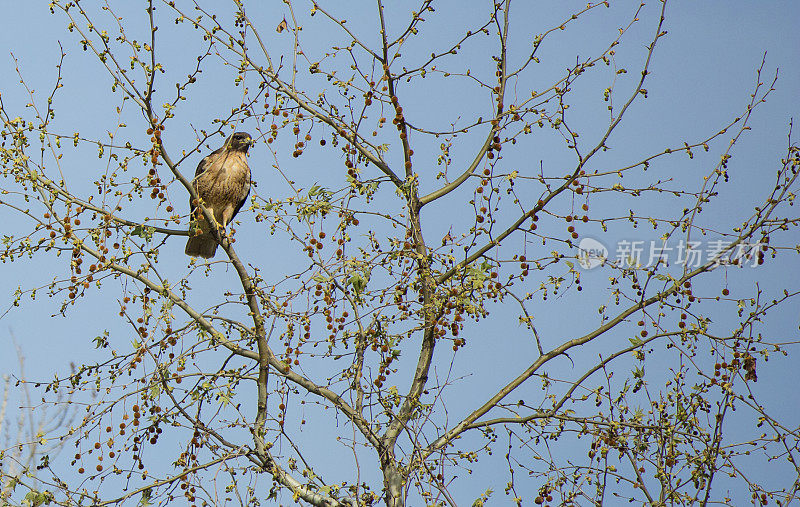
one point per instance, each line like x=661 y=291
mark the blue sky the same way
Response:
x=702 y=74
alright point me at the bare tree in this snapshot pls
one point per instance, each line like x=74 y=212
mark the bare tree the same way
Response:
x=26 y=447
x=373 y=297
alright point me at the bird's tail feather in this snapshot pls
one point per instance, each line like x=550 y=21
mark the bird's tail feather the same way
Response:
x=202 y=245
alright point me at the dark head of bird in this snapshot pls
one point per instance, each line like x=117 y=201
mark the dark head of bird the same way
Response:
x=239 y=141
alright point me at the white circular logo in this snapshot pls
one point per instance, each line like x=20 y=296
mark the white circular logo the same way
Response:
x=591 y=253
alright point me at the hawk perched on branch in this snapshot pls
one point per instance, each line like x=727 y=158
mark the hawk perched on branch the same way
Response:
x=222 y=181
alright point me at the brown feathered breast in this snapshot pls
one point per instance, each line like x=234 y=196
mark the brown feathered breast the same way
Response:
x=222 y=181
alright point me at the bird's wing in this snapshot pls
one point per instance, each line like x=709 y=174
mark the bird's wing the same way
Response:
x=201 y=168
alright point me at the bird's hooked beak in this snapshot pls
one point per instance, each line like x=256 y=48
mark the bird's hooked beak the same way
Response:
x=248 y=143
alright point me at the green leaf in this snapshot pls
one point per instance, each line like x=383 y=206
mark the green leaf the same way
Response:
x=358 y=282
x=35 y=498
x=480 y=502
x=101 y=342
x=143 y=231
x=145 y=500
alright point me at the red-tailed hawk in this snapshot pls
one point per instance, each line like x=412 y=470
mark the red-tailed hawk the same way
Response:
x=222 y=181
